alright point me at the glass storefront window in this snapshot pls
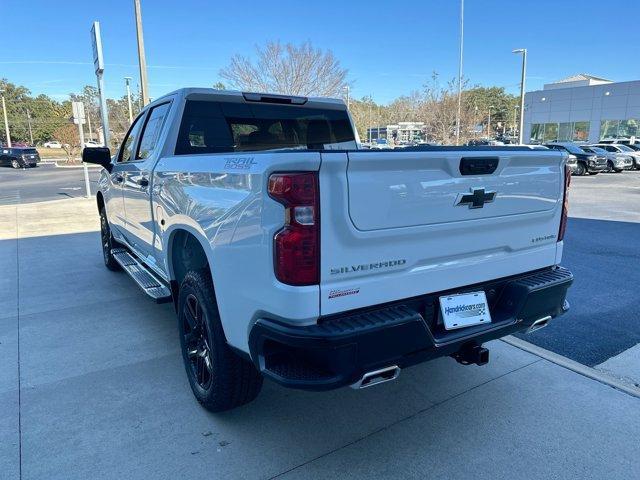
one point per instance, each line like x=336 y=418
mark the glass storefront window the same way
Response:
x=608 y=129
x=537 y=132
x=628 y=128
x=564 y=132
x=580 y=131
x=550 y=132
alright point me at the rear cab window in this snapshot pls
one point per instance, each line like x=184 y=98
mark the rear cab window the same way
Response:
x=218 y=127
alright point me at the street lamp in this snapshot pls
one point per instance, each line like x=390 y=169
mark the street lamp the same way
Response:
x=489 y=122
x=460 y=72
x=523 y=51
x=346 y=88
x=126 y=81
x=29 y=123
x=141 y=55
x=6 y=122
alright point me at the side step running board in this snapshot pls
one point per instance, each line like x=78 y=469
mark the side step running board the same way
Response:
x=147 y=281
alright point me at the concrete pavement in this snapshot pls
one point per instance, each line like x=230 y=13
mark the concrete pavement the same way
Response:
x=92 y=386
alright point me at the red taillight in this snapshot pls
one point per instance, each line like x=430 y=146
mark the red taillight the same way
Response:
x=565 y=203
x=297 y=245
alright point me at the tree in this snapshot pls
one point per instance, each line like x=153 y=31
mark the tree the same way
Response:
x=43 y=113
x=288 y=69
x=68 y=136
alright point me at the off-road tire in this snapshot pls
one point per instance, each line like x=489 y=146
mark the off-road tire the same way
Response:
x=230 y=380
x=108 y=243
x=15 y=164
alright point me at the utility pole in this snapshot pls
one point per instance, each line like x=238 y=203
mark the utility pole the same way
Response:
x=523 y=51
x=141 y=56
x=127 y=80
x=6 y=122
x=79 y=118
x=460 y=72
x=346 y=87
x=489 y=122
x=370 y=125
x=98 y=63
x=29 y=123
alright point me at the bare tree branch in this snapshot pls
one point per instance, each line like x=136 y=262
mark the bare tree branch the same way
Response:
x=289 y=69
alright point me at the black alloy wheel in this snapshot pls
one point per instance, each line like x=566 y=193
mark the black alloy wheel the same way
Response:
x=197 y=342
x=108 y=243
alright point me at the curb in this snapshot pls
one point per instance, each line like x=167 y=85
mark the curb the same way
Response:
x=76 y=166
x=572 y=365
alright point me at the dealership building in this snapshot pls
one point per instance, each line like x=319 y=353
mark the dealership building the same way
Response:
x=582 y=108
x=400 y=132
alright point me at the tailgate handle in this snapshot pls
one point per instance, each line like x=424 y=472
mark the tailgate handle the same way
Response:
x=478 y=165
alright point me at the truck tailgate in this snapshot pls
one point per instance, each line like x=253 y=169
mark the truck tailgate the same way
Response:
x=403 y=223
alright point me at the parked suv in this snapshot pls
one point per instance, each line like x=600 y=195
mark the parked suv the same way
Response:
x=616 y=162
x=623 y=149
x=585 y=162
x=19 y=157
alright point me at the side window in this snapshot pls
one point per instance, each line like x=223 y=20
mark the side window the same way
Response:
x=151 y=132
x=126 y=152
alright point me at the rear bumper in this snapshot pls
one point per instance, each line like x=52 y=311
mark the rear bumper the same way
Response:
x=339 y=349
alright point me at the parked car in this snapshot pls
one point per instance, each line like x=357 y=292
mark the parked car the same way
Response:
x=92 y=143
x=616 y=162
x=585 y=162
x=634 y=146
x=19 y=157
x=624 y=150
x=298 y=257
x=52 y=144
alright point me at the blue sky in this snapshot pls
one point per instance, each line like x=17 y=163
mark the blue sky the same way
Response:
x=388 y=50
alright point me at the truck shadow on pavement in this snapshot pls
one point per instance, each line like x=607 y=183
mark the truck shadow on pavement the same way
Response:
x=103 y=394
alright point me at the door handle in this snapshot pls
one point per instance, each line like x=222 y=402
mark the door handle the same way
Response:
x=143 y=182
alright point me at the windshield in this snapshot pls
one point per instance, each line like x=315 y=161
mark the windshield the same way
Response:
x=217 y=127
x=624 y=148
x=573 y=148
x=596 y=150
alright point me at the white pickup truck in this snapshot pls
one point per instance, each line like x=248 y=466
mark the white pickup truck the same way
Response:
x=291 y=254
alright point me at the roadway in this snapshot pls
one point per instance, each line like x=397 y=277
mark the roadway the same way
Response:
x=46 y=182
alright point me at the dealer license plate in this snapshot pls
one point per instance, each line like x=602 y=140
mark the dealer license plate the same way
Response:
x=464 y=310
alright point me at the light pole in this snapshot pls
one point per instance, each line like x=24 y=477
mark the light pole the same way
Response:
x=141 y=56
x=6 y=122
x=489 y=122
x=127 y=80
x=346 y=87
x=460 y=72
x=523 y=51
x=29 y=123
x=515 y=118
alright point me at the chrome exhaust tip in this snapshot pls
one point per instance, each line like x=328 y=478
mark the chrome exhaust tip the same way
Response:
x=538 y=324
x=377 y=376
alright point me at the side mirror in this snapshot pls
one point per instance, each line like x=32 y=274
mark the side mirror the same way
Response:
x=99 y=156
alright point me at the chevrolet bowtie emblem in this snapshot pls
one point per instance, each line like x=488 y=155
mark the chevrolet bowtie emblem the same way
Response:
x=476 y=199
